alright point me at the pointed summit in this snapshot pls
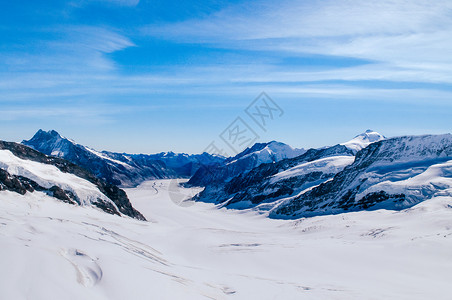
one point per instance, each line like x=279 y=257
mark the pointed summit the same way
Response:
x=363 y=140
x=267 y=152
x=50 y=143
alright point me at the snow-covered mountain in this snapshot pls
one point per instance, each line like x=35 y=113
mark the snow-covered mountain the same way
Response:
x=366 y=172
x=363 y=140
x=119 y=168
x=24 y=170
x=245 y=161
x=62 y=251
x=269 y=182
x=395 y=173
x=263 y=185
x=266 y=153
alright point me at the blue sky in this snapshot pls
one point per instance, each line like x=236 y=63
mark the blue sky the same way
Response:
x=151 y=76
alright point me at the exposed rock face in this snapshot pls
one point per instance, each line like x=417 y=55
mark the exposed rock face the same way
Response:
x=21 y=184
x=13 y=183
x=396 y=173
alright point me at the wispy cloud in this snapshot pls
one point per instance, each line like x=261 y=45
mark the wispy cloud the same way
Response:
x=114 y=2
x=76 y=48
x=95 y=61
x=411 y=38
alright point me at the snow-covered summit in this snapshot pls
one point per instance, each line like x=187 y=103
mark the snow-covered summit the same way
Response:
x=363 y=140
x=268 y=152
x=282 y=151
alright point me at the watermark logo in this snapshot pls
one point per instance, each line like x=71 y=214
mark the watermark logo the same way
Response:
x=213 y=149
x=263 y=110
x=239 y=135
x=180 y=195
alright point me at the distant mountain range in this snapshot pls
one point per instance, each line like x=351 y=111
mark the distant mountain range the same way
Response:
x=219 y=173
x=121 y=169
x=367 y=172
x=250 y=178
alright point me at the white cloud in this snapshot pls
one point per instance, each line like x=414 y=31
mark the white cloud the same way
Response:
x=78 y=49
x=119 y=2
x=410 y=38
x=97 y=38
x=304 y=19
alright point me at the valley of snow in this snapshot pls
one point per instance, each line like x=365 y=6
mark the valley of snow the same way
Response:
x=53 y=250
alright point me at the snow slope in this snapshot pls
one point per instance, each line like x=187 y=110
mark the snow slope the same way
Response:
x=394 y=173
x=262 y=175
x=49 y=175
x=328 y=165
x=52 y=250
x=24 y=170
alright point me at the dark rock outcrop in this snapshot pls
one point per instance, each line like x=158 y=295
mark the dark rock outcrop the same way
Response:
x=20 y=184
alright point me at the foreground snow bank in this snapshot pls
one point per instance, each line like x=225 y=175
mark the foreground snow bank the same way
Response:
x=51 y=250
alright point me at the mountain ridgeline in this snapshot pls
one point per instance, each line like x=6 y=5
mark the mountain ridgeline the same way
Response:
x=395 y=174
x=366 y=173
x=265 y=173
x=121 y=169
x=218 y=174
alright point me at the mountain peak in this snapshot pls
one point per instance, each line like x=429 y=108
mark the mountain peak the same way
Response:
x=371 y=136
x=267 y=152
x=363 y=140
x=53 y=133
x=42 y=134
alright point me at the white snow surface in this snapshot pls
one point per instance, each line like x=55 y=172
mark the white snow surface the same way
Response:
x=103 y=156
x=48 y=176
x=273 y=152
x=421 y=167
x=328 y=165
x=363 y=140
x=52 y=250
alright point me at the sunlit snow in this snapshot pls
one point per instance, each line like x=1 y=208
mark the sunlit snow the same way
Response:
x=52 y=250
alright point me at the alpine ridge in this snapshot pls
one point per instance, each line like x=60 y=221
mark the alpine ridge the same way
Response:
x=396 y=173
x=368 y=172
x=121 y=169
